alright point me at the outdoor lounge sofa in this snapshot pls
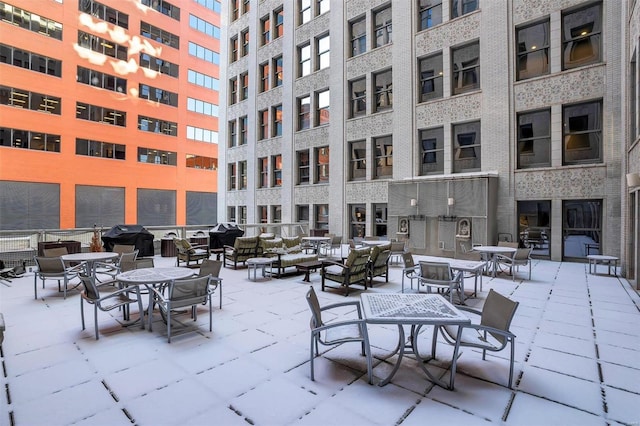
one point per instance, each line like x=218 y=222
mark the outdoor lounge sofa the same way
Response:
x=288 y=251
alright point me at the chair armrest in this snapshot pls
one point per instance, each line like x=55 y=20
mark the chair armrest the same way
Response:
x=338 y=324
x=228 y=247
x=343 y=304
x=333 y=262
x=76 y=269
x=491 y=330
x=502 y=257
x=200 y=246
x=471 y=310
x=118 y=292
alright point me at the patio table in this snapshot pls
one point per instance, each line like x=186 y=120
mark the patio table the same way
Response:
x=493 y=251
x=415 y=310
x=315 y=241
x=89 y=259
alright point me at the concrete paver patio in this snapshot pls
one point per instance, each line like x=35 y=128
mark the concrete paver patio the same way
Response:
x=577 y=362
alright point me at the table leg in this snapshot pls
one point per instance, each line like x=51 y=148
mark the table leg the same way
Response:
x=400 y=351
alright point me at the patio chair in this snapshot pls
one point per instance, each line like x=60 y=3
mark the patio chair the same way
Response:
x=521 y=257
x=243 y=248
x=337 y=332
x=491 y=333
x=180 y=294
x=378 y=265
x=188 y=252
x=54 y=268
x=328 y=247
x=114 y=268
x=397 y=251
x=212 y=267
x=352 y=271
x=107 y=301
x=439 y=275
x=410 y=270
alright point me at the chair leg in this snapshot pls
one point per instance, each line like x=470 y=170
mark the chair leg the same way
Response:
x=511 y=363
x=95 y=319
x=82 y=311
x=311 y=354
x=168 y=324
x=434 y=341
x=35 y=286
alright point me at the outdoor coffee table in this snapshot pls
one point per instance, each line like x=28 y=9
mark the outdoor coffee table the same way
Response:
x=259 y=262
x=307 y=267
x=415 y=310
x=594 y=259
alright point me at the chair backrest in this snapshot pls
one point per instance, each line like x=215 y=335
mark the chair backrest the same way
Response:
x=407 y=258
x=145 y=262
x=210 y=267
x=55 y=252
x=123 y=248
x=128 y=257
x=522 y=254
x=397 y=246
x=497 y=312
x=355 y=254
x=188 y=292
x=90 y=289
x=336 y=241
x=436 y=271
x=314 y=305
x=507 y=244
x=380 y=254
x=50 y=265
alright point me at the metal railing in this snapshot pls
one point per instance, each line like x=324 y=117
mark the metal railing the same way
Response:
x=19 y=246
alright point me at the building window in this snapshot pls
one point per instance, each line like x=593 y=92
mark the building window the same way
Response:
x=304 y=113
x=302 y=213
x=321 y=216
x=357 y=160
x=432 y=151
x=534 y=226
x=101 y=80
x=276 y=214
x=203 y=53
x=431 y=78
x=244 y=86
x=263 y=213
x=158 y=95
x=277 y=71
x=323 y=52
x=384 y=157
x=304 y=55
x=358 y=220
x=466 y=147
x=202 y=107
x=322 y=164
x=582 y=133
x=278 y=15
x=233 y=90
x=383 y=32
x=305 y=11
x=29 y=140
x=245 y=42
x=161 y=36
x=534 y=139
x=323 y=6
x=100 y=149
x=246 y=6
x=263 y=170
x=101 y=45
x=581 y=37
x=108 y=116
x=276 y=116
x=232 y=177
x=159 y=65
x=263 y=117
x=155 y=125
x=163 y=7
x=466 y=68
x=30 y=100
x=202 y=135
x=384 y=90
x=381 y=219
x=303 y=167
x=202 y=80
x=29 y=60
x=242 y=213
x=358 y=31
x=322 y=107
x=633 y=97
x=231 y=214
x=235 y=9
x=533 y=50
x=32 y=22
x=358 y=93
x=244 y=128
x=430 y=13
x=155 y=156
x=264 y=77
x=242 y=166
x=581 y=227
x=233 y=133
x=106 y=13
x=234 y=49
x=203 y=26
x=265 y=27
x=200 y=162
x=276 y=167
x=462 y=7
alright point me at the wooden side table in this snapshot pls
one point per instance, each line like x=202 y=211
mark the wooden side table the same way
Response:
x=307 y=267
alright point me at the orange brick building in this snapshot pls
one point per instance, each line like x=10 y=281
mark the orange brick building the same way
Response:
x=108 y=112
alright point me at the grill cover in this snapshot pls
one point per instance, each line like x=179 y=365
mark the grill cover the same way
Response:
x=224 y=234
x=131 y=235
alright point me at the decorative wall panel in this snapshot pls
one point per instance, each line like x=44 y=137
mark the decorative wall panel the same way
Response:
x=585 y=182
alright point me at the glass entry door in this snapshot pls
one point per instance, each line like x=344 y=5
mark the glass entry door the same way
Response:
x=534 y=226
x=582 y=228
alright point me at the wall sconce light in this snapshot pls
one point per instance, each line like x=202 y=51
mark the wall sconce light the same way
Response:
x=450 y=201
x=414 y=202
x=633 y=180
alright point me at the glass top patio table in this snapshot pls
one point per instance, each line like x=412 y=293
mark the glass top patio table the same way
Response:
x=154 y=275
x=89 y=258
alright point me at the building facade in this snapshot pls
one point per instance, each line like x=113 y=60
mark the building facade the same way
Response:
x=108 y=112
x=446 y=122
